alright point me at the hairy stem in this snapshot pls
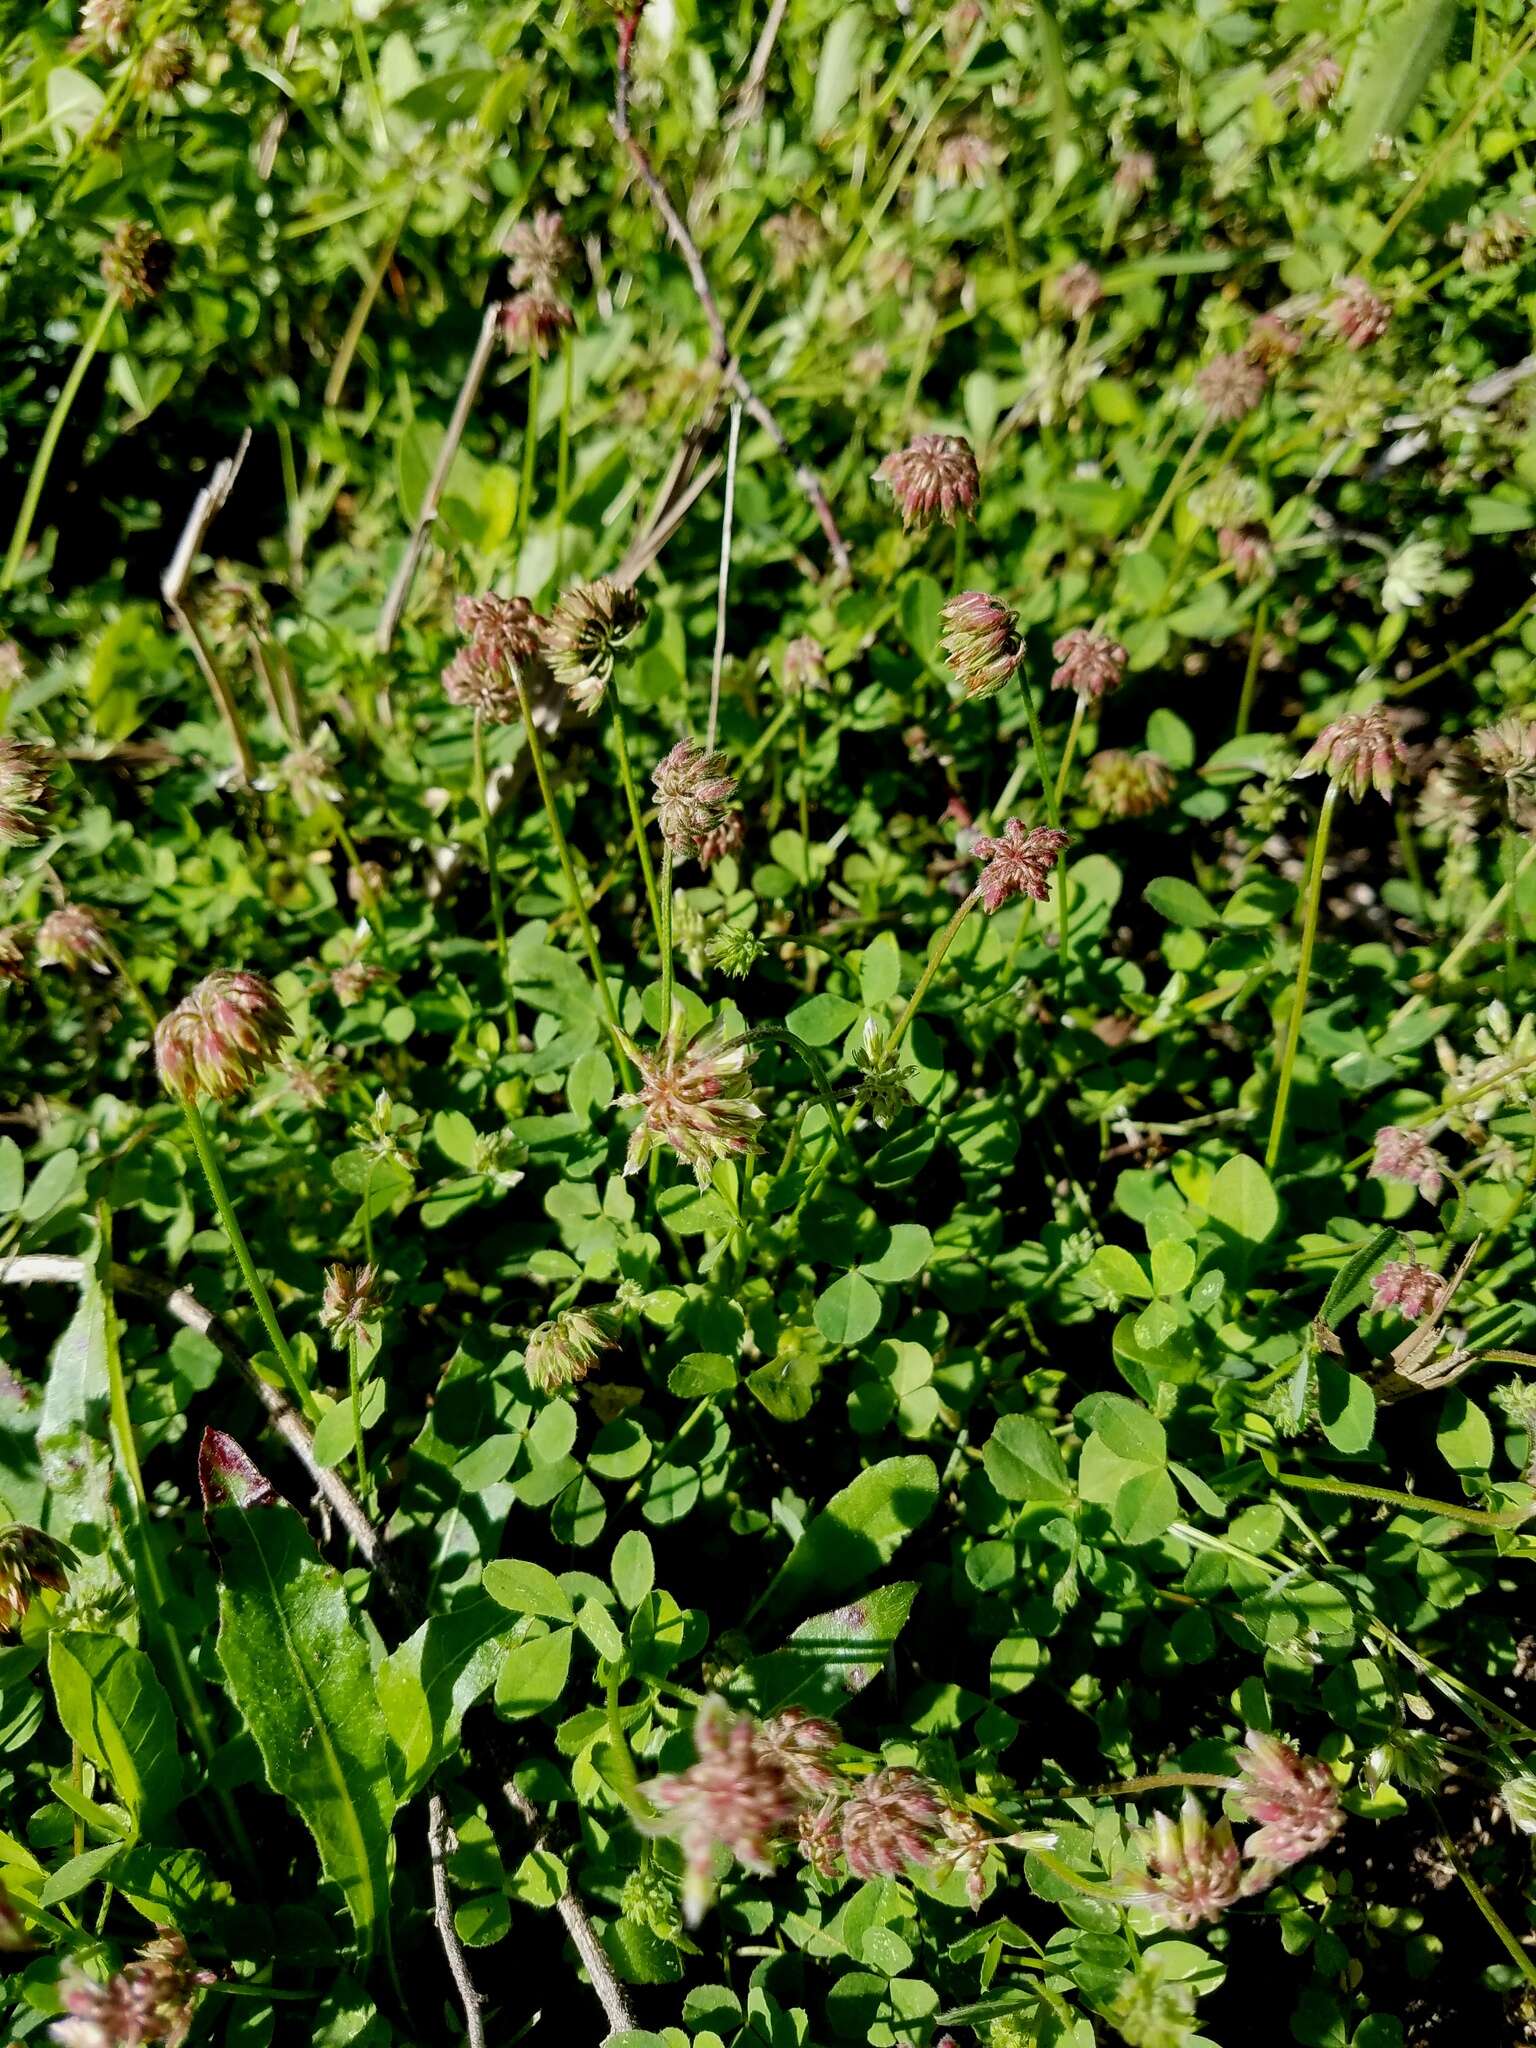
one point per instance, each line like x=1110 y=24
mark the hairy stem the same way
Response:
x=1303 y=975
x=256 y=1287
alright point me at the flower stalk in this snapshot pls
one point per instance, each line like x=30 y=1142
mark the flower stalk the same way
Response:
x=1303 y=974
x=256 y=1287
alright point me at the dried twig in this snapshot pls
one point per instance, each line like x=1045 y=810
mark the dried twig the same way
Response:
x=611 y=1993
x=717 y=666
x=285 y=1419
x=750 y=104
x=463 y=405
x=52 y=1267
x=206 y=507
x=731 y=371
x=442 y=1914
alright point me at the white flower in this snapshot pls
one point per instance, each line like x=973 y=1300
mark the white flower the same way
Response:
x=1413 y=575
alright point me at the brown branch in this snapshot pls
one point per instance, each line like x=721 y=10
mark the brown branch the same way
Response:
x=750 y=104
x=469 y=390
x=730 y=367
x=611 y=1993
x=284 y=1418
x=447 y=1933
x=52 y=1267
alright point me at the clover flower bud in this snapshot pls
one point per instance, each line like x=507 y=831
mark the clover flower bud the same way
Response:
x=1193 y=1871
x=934 y=477
x=796 y=238
x=1089 y=662
x=1359 y=751
x=1078 y=290
x=1315 y=88
x=136 y=263
x=965 y=157
x=221 y=1038
x=735 y=949
x=694 y=1100
x=13 y=665
x=1135 y=173
x=1293 y=1797
x=725 y=841
x=30 y=1561
x=1246 y=550
x=799 y=1744
x=734 y=1801
x=805 y=665
x=534 y=321
x=1518 y=1798
x=1127 y=785
x=1272 y=341
x=15 y=944
x=589 y=624
x=367 y=882
x=1501 y=239
x=504 y=645
x=105 y=26
x=24 y=790
x=165 y=64
x=71 y=937
x=821 y=1838
x=152 y=1999
x=539 y=252
x=352 y=1300
x=1232 y=386
x=981 y=643
x=566 y=1348
x=883 y=1089
x=1413 y=1290
x=1507 y=749
x=692 y=793
x=1356 y=314
x=245 y=24
x=1020 y=863
x=351 y=982
x=1407 y=1155
x=892 y=1823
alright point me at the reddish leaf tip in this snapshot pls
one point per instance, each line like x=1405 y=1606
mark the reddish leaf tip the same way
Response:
x=228 y=1477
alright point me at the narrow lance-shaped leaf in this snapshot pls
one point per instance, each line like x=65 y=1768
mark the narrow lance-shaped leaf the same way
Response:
x=298 y=1670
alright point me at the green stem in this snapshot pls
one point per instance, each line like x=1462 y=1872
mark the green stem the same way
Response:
x=1390 y=1496
x=1303 y=975
x=50 y=441
x=1053 y=818
x=568 y=869
x=130 y=982
x=530 y=450
x=373 y=910
x=666 y=941
x=636 y=813
x=1511 y=1941
x=1165 y=503
x=563 y=456
x=1461 y=654
x=1069 y=751
x=255 y=1285
x=1251 y=672
x=817 y=1072
x=1473 y=934
x=1449 y=145
x=941 y=946
x=628 y=1781
x=354 y=1388
x=488 y=838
